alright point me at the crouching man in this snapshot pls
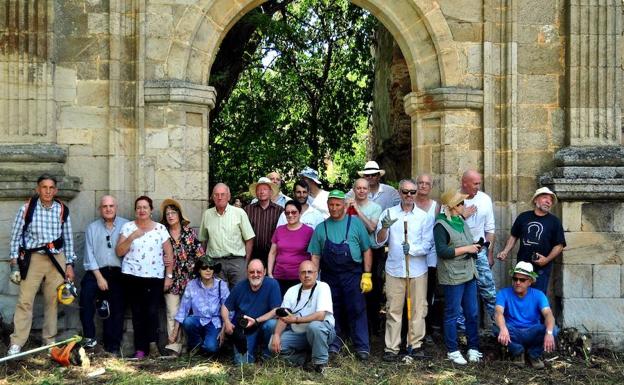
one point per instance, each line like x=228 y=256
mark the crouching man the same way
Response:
x=518 y=317
x=305 y=320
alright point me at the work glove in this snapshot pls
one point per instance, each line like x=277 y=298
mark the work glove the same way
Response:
x=387 y=222
x=406 y=247
x=15 y=276
x=366 y=284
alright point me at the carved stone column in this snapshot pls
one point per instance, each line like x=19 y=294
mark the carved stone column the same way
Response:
x=173 y=147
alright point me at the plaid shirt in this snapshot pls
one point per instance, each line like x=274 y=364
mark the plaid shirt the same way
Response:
x=44 y=228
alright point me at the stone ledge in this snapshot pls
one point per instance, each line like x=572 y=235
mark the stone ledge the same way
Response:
x=32 y=153
x=590 y=156
x=443 y=99
x=175 y=91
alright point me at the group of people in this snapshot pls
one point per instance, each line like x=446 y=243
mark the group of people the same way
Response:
x=293 y=277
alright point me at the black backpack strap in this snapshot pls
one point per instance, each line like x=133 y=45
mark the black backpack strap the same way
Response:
x=348 y=225
x=28 y=217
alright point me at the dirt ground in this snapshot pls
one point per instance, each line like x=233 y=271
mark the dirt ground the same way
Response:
x=603 y=367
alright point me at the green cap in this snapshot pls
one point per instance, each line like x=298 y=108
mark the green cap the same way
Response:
x=336 y=194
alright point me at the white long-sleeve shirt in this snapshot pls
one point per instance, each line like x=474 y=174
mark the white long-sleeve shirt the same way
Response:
x=419 y=237
x=482 y=221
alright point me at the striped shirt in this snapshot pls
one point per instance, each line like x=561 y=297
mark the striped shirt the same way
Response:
x=263 y=222
x=44 y=228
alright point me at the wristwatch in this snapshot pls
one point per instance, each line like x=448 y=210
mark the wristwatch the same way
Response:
x=549 y=332
x=170 y=276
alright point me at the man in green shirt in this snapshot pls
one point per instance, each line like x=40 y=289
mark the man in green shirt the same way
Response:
x=227 y=236
x=341 y=247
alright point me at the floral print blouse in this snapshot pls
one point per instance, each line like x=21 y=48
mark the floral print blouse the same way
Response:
x=145 y=256
x=186 y=251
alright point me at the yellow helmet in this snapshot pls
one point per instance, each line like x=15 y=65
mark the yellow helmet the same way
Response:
x=66 y=293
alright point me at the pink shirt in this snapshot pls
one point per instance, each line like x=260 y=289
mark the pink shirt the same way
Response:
x=292 y=249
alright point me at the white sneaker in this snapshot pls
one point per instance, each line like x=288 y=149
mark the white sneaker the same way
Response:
x=457 y=357
x=13 y=350
x=474 y=355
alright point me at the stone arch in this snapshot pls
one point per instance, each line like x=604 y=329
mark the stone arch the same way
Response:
x=418 y=26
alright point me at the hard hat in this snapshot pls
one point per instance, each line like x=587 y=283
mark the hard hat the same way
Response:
x=102 y=307
x=66 y=293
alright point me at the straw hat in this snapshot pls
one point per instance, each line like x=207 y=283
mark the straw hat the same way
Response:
x=452 y=198
x=542 y=191
x=371 y=167
x=266 y=181
x=172 y=202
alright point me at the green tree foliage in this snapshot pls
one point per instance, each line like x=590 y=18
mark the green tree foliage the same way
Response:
x=301 y=99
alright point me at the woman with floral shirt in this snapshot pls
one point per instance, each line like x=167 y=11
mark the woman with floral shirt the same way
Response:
x=186 y=251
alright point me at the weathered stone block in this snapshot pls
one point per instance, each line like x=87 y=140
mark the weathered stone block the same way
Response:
x=538 y=12
x=598 y=216
x=606 y=281
x=592 y=248
x=571 y=216
x=156 y=139
x=538 y=89
x=577 y=281
x=97 y=23
x=74 y=136
x=594 y=314
x=93 y=93
x=83 y=117
x=538 y=59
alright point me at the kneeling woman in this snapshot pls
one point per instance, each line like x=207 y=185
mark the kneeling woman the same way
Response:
x=204 y=295
x=457 y=275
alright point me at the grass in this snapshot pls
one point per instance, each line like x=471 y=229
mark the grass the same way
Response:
x=604 y=367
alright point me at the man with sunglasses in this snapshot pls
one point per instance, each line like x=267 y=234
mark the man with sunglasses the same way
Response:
x=518 y=318
x=408 y=230
x=305 y=320
x=102 y=279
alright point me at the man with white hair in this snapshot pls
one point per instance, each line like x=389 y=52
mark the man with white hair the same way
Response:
x=541 y=237
x=518 y=317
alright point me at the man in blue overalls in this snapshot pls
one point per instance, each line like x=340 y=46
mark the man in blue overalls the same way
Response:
x=340 y=246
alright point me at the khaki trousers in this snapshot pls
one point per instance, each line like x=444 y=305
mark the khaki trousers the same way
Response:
x=172 y=304
x=41 y=272
x=396 y=293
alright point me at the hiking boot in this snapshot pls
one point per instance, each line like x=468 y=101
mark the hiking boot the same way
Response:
x=13 y=350
x=536 y=363
x=390 y=357
x=456 y=357
x=474 y=355
x=362 y=356
x=518 y=360
x=89 y=343
x=320 y=368
x=417 y=353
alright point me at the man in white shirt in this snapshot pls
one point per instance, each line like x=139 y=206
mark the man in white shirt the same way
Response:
x=309 y=215
x=305 y=320
x=317 y=197
x=479 y=215
x=391 y=229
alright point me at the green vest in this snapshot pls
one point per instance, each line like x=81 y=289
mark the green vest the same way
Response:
x=460 y=269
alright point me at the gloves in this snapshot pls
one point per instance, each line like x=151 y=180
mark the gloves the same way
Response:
x=387 y=222
x=366 y=284
x=15 y=276
x=406 y=248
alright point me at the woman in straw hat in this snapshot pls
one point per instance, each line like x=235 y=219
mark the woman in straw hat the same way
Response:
x=457 y=275
x=186 y=250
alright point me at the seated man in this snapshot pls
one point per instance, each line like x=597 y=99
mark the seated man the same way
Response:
x=518 y=318
x=306 y=320
x=253 y=301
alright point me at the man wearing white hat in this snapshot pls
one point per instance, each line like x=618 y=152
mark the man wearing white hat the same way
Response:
x=263 y=216
x=384 y=195
x=518 y=318
x=541 y=237
x=317 y=197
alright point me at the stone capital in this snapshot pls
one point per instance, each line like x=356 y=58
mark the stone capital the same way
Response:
x=175 y=91
x=440 y=99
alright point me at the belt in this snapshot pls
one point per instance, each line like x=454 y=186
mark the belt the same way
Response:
x=229 y=257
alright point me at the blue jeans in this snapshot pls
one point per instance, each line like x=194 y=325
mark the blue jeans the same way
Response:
x=317 y=337
x=530 y=339
x=457 y=297
x=264 y=334
x=204 y=336
x=485 y=286
x=543 y=276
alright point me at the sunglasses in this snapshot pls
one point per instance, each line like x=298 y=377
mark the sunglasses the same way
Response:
x=518 y=279
x=108 y=242
x=409 y=192
x=205 y=267
x=293 y=212
x=460 y=203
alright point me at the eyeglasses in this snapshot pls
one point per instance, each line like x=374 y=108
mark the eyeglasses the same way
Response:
x=171 y=213
x=371 y=175
x=108 y=242
x=518 y=279
x=409 y=192
x=307 y=272
x=255 y=272
x=293 y=212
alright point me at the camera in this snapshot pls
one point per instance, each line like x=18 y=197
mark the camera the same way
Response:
x=283 y=312
x=534 y=256
x=242 y=321
x=483 y=243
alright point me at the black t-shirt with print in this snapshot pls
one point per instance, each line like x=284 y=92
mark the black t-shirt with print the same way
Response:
x=537 y=234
